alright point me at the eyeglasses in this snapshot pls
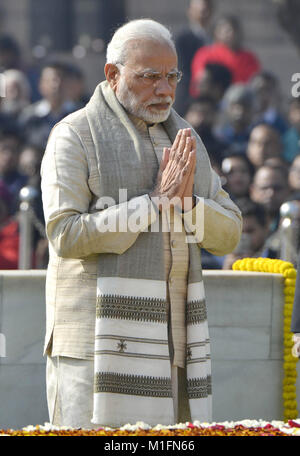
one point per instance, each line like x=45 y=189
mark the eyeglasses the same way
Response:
x=153 y=77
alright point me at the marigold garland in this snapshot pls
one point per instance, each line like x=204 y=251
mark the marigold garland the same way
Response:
x=244 y=428
x=289 y=365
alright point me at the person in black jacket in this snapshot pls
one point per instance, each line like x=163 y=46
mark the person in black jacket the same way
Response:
x=188 y=40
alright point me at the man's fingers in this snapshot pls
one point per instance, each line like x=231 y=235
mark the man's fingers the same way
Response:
x=182 y=144
x=189 y=168
x=175 y=144
x=165 y=157
x=187 y=150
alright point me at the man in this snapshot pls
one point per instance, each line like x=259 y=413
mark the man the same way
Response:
x=267 y=94
x=125 y=306
x=236 y=119
x=201 y=115
x=270 y=189
x=238 y=173
x=214 y=82
x=291 y=138
x=264 y=143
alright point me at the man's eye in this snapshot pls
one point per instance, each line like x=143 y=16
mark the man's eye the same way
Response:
x=172 y=77
x=152 y=76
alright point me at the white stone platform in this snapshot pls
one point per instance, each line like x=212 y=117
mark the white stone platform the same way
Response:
x=245 y=314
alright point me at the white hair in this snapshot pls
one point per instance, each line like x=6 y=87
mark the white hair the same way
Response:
x=135 y=30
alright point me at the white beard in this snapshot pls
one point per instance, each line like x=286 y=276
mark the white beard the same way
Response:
x=130 y=102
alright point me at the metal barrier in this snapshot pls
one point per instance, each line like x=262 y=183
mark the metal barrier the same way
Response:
x=290 y=231
x=27 y=196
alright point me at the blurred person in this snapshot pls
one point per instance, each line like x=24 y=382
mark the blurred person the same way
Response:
x=9 y=232
x=254 y=234
x=277 y=162
x=7 y=121
x=270 y=189
x=264 y=143
x=11 y=58
x=201 y=115
x=294 y=174
x=75 y=86
x=38 y=119
x=227 y=50
x=10 y=144
x=265 y=86
x=291 y=138
x=214 y=82
x=235 y=123
x=10 y=53
x=18 y=93
x=238 y=173
x=30 y=159
x=29 y=165
x=188 y=40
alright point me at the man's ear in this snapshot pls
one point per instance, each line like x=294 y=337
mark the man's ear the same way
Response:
x=112 y=75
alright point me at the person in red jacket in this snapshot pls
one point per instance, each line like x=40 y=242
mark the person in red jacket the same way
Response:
x=226 y=50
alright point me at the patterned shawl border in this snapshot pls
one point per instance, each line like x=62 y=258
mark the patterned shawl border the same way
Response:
x=199 y=388
x=107 y=382
x=196 y=312
x=128 y=308
x=145 y=309
x=137 y=385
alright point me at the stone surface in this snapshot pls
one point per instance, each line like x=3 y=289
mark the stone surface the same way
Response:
x=245 y=314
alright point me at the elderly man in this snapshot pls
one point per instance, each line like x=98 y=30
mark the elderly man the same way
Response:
x=127 y=336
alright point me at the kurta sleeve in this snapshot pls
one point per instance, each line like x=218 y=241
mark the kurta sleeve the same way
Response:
x=73 y=231
x=215 y=223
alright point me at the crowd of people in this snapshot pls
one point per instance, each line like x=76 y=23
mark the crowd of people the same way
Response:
x=251 y=131
x=235 y=104
x=34 y=101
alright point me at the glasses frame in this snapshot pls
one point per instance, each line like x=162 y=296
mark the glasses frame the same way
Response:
x=154 y=77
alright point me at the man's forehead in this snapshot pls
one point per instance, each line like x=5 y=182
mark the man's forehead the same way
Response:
x=150 y=53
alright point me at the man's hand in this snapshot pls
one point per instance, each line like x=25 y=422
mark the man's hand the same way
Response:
x=175 y=177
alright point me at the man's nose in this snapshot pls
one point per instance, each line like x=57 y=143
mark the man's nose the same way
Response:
x=164 y=88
